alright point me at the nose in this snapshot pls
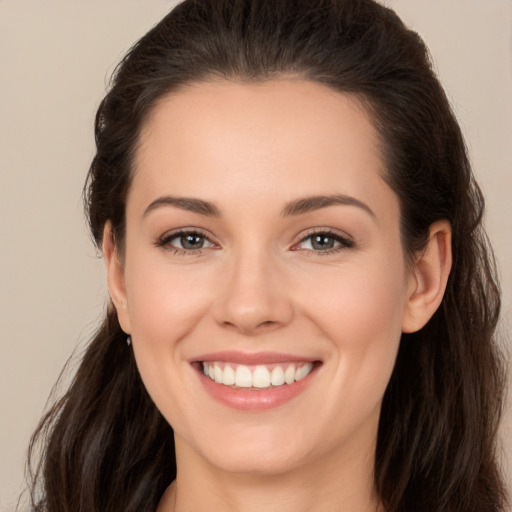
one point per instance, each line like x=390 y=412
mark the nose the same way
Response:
x=254 y=296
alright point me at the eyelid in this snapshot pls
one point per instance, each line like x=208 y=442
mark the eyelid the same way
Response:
x=345 y=240
x=164 y=240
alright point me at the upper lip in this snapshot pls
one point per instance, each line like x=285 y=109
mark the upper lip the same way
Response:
x=250 y=359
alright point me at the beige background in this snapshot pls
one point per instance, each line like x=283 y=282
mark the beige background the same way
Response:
x=55 y=57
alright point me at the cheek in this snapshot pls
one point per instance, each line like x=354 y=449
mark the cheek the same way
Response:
x=165 y=303
x=360 y=312
x=363 y=323
x=359 y=301
x=165 y=306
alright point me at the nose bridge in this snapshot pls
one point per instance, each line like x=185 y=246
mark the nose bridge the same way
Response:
x=254 y=295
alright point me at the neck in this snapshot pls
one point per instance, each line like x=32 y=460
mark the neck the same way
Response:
x=317 y=487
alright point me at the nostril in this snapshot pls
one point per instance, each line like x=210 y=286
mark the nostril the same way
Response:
x=250 y=310
x=248 y=327
x=267 y=323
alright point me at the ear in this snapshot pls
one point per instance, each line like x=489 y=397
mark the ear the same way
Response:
x=115 y=277
x=428 y=278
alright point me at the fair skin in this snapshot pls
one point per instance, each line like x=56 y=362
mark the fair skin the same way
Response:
x=228 y=261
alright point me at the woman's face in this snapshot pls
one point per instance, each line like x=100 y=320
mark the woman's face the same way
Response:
x=263 y=247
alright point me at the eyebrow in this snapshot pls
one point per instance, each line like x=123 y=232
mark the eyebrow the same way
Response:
x=296 y=207
x=308 y=204
x=185 y=203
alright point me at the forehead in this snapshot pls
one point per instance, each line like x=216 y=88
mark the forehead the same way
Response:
x=286 y=109
x=215 y=138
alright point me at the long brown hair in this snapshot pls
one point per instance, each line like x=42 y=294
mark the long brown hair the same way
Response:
x=105 y=445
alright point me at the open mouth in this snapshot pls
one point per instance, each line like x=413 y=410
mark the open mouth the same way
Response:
x=256 y=376
x=255 y=382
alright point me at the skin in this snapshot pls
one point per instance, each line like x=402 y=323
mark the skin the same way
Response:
x=258 y=284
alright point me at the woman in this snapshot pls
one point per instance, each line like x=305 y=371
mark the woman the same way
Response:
x=303 y=298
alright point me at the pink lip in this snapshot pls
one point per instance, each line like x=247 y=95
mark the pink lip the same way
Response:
x=251 y=359
x=252 y=400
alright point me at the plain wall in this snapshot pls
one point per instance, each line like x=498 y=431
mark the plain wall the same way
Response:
x=55 y=59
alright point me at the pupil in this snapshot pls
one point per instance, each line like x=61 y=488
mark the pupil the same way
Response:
x=323 y=242
x=191 y=241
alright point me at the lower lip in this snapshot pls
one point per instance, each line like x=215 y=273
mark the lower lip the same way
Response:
x=255 y=399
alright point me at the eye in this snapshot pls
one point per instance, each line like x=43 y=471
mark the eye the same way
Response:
x=323 y=241
x=186 y=241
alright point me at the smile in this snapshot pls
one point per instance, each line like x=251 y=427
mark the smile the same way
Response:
x=255 y=382
x=257 y=377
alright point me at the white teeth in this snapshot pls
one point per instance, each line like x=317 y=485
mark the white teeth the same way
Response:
x=243 y=377
x=261 y=377
x=303 y=371
x=277 y=377
x=256 y=377
x=229 y=376
x=218 y=373
x=289 y=375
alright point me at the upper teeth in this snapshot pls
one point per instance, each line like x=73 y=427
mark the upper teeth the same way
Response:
x=260 y=376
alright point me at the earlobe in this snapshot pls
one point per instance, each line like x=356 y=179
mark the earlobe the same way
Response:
x=429 y=278
x=115 y=277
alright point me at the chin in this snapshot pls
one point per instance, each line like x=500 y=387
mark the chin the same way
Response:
x=264 y=453
x=258 y=462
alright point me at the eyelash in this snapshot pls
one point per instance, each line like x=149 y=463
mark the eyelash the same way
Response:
x=344 y=242
x=165 y=242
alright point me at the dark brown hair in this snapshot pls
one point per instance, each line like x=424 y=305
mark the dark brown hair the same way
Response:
x=105 y=445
